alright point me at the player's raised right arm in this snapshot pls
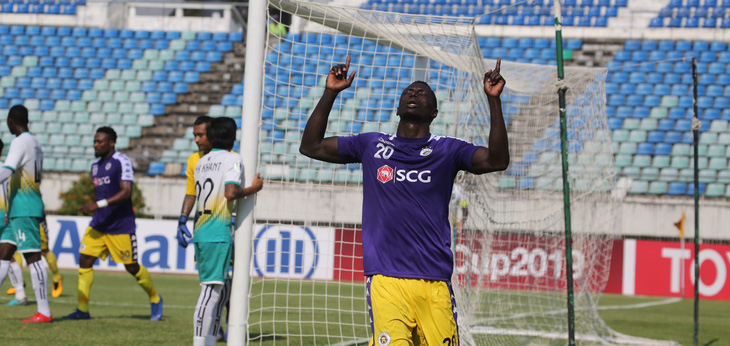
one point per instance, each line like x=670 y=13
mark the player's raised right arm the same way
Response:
x=314 y=144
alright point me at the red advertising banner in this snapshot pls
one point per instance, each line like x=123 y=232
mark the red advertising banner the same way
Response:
x=348 y=255
x=519 y=261
x=522 y=261
x=660 y=266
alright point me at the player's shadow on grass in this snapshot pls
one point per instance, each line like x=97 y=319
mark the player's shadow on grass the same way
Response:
x=107 y=317
x=712 y=342
x=142 y=317
x=259 y=338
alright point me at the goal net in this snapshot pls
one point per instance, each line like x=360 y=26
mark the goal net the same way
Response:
x=509 y=273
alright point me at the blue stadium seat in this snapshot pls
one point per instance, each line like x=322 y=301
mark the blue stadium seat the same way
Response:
x=672 y=137
x=631 y=45
x=645 y=149
x=156 y=168
x=157 y=109
x=663 y=149
x=691 y=187
x=709 y=22
x=656 y=22
x=655 y=137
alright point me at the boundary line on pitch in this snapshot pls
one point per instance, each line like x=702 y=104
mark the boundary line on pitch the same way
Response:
x=62 y=301
x=640 y=305
x=608 y=307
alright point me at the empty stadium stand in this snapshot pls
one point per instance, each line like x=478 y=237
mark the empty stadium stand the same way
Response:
x=583 y=13
x=76 y=79
x=151 y=85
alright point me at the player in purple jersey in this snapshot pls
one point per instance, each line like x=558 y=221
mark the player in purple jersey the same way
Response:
x=112 y=228
x=407 y=182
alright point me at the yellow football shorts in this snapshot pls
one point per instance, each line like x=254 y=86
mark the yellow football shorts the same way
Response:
x=411 y=312
x=122 y=247
x=44 y=235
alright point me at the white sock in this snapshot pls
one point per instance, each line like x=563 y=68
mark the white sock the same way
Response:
x=40 y=286
x=16 y=278
x=204 y=340
x=205 y=313
x=4 y=268
x=224 y=296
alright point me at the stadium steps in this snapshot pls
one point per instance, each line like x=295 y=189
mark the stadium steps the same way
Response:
x=178 y=117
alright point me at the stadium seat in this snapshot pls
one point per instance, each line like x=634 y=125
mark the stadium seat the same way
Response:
x=657 y=188
x=677 y=189
x=156 y=168
x=639 y=187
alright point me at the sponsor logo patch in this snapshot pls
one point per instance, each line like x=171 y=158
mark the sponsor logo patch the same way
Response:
x=385 y=174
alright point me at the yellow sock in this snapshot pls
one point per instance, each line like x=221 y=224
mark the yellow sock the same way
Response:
x=51 y=259
x=86 y=279
x=18 y=258
x=144 y=279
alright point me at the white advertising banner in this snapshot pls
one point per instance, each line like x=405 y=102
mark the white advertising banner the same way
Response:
x=293 y=252
x=281 y=251
x=157 y=247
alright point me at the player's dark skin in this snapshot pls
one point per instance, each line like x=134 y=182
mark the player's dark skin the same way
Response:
x=6 y=249
x=104 y=148
x=416 y=111
x=200 y=132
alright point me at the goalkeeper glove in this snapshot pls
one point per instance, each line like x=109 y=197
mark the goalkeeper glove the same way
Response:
x=183 y=235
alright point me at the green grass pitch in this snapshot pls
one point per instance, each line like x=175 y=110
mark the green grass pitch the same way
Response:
x=120 y=312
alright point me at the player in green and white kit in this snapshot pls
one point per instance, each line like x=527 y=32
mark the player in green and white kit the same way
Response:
x=217 y=187
x=23 y=167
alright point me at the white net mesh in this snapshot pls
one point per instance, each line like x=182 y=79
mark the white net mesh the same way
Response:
x=510 y=262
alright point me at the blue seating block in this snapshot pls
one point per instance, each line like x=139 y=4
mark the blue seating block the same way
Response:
x=156 y=168
x=677 y=189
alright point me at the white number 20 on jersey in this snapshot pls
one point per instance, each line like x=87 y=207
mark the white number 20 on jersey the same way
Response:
x=384 y=150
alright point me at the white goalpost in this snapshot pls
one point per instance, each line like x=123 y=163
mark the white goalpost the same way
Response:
x=306 y=285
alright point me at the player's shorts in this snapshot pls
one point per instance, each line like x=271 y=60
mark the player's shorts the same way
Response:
x=411 y=312
x=24 y=233
x=122 y=247
x=213 y=262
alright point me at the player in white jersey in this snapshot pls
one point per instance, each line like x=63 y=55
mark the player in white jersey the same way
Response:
x=217 y=186
x=15 y=274
x=23 y=167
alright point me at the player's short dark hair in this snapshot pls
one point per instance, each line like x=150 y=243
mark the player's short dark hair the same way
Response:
x=19 y=115
x=109 y=132
x=432 y=97
x=203 y=119
x=2 y=146
x=222 y=133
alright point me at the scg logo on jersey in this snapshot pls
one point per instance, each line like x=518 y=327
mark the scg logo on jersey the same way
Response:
x=413 y=176
x=285 y=251
x=100 y=181
x=385 y=174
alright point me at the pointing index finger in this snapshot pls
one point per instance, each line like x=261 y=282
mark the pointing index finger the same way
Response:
x=499 y=63
x=347 y=63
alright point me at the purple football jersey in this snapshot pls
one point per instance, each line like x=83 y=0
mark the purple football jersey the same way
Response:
x=406 y=190
x=107 y=175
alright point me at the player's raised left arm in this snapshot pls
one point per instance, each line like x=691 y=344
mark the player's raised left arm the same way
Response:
x=496 y=156
x=233 y=191
x=125 y=193
x=314 y=144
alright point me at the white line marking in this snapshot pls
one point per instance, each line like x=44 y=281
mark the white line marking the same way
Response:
x=61 y=301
